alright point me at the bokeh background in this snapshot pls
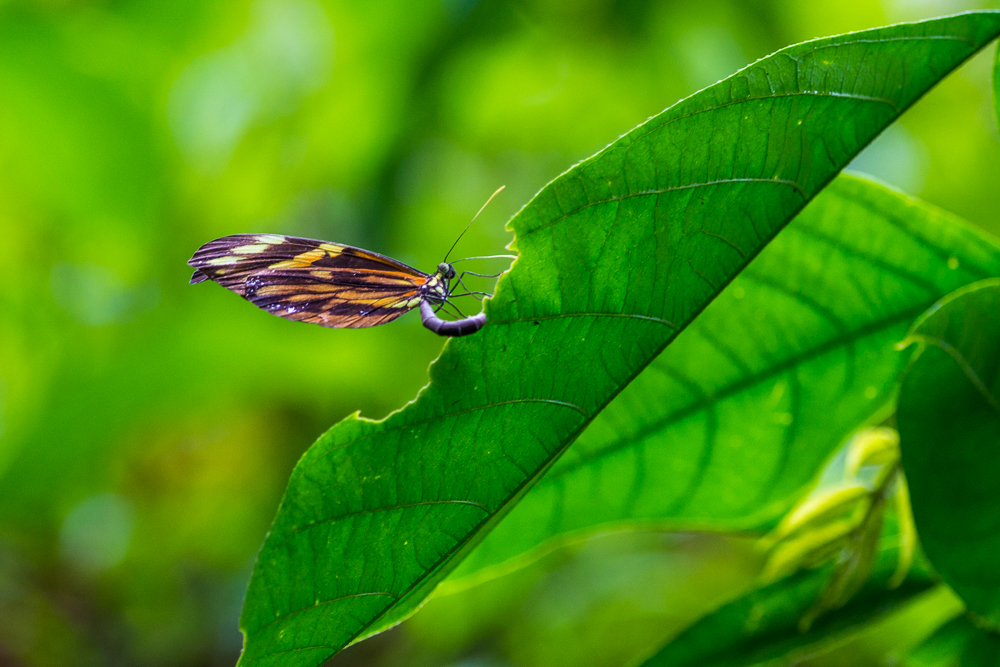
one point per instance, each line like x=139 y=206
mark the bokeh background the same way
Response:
x=147 y=427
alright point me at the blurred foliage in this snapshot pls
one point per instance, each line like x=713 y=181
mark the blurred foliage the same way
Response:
x=147 y=428
x=958 y=643
x=765 y=626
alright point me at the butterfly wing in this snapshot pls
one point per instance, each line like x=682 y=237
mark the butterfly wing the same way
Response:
x=306 y=280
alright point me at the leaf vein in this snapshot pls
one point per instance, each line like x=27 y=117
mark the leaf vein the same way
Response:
x=660 y=191
x=384 y=508
x=350 y=596
x=560 y=316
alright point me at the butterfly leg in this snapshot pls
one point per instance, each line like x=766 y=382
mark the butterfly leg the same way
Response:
x=456 y=308
x=469 y=292
x=441 y=306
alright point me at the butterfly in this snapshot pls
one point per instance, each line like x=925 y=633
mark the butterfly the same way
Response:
x=334 y=285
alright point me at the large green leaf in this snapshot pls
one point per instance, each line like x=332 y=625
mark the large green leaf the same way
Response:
x=764 y=624
x=949 y=430
x=722 y=431
x=616 y=257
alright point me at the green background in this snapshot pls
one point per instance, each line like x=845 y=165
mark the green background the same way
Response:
x=147 y=427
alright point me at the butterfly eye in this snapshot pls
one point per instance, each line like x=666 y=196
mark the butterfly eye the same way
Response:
x=446 y=270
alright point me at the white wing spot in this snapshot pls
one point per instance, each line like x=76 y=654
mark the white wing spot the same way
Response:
x=222 y=261
x=251 y=249
x=271 y=239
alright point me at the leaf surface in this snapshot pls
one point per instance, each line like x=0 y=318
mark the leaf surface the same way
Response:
x=616 y=257
x=722 y=431
x=949 y=429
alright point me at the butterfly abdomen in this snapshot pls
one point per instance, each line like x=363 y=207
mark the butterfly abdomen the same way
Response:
x=455 y=328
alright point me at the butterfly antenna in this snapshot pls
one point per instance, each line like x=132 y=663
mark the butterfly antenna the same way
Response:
x=472 y=221
x=465 y=259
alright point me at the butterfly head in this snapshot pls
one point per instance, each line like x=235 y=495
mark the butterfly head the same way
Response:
x=446 y=270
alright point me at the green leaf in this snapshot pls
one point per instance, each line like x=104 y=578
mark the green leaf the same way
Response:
x=764 y=624
x=616 y=257
x=958 y=643
x=820 y=312
x=949 y=429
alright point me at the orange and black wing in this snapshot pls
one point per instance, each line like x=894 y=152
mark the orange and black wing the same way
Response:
x=306 y=280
